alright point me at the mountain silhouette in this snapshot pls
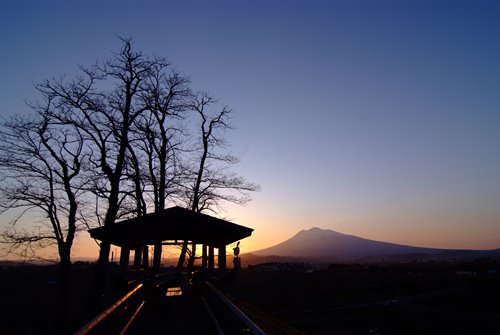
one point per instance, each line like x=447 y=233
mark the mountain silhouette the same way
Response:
x=317 y=243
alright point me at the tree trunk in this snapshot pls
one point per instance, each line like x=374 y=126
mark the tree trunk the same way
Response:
x=192 y=258
x=182 y=256
x=94 y=303
x=64 y=295
x=101 y=270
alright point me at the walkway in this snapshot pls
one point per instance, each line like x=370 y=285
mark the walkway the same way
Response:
x=184 y=314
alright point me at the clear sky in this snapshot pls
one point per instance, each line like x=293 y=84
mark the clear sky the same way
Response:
x=374 y=118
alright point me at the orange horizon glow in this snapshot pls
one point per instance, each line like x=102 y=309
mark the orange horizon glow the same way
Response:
x=374 y=121
x=277 y=228
x=86 y=248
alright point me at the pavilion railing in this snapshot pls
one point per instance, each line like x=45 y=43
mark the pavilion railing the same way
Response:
x=227 y=317
x=119 y=316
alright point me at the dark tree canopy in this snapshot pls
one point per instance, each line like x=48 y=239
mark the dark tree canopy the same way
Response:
x=124 y=137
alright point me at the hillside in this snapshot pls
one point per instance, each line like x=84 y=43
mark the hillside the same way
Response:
x=317 y=243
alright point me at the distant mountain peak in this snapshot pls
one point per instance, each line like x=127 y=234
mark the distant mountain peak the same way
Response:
x=315 y=229
x=318 y=242
x=328 y=245
x=319 y=232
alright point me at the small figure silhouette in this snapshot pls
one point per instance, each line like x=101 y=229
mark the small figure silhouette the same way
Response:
x=237 y=249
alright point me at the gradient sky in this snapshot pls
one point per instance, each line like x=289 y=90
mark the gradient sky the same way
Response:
x=374 y=118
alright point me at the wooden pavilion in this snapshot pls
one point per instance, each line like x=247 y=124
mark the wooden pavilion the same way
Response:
x=171 y=226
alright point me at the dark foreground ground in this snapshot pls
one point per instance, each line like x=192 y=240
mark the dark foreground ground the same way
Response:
x=28 y=297
x=431 y=298
x=414 y=298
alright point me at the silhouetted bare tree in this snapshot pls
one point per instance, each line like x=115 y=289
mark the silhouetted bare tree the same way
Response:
x=103 y=104
x=212 y=182
x=40 y=166
x=157 y=137
x=209 y=182
x=116 y=134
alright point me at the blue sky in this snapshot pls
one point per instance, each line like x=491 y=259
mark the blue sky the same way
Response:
x=374 y=118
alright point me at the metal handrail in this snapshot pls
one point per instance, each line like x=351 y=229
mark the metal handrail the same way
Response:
x=137 y=310
x=104 y=314
x=236 y=311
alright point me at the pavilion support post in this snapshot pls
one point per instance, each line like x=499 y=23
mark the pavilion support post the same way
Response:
x=124 y=258
x=145 y=255
x=137 y=258
x=157 y=258
x=211 y=258
x=222 y=258
x=204 y=260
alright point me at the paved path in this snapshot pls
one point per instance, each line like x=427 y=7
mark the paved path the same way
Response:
x=173 y=315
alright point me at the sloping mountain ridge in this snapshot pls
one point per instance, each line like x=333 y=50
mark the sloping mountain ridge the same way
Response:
x=320 y=243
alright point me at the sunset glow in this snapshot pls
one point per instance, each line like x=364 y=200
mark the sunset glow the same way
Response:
x=374 y=119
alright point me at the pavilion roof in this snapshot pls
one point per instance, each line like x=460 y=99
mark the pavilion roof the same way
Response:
x=175 y=223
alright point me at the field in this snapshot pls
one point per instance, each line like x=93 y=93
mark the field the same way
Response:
x=431 y=298
x=412 y=298
x=29 y=294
